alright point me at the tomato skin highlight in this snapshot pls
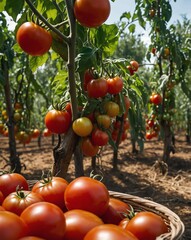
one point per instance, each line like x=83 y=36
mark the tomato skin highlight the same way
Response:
x=10 y=181
x=45 y=220
x=109 y=232
x=87 y=194
x=57 y=121
x=146 y=225
x=33 y=39
x=12 y=227
x=91 y=13
x=79 y=222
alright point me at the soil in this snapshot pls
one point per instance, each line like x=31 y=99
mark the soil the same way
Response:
x=137 y=174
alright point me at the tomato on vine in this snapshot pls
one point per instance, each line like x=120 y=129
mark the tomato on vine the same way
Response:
x=99 y=137
x=90 y=13
x=88 y=148
x=97 y=88
x=115 y=85
x=111 y=108
x=33 y=39
x=82 y=126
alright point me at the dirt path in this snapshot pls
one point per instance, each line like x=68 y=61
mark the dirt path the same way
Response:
x=137 y=174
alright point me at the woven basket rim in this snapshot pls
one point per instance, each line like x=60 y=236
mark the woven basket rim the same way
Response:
x=175 y=225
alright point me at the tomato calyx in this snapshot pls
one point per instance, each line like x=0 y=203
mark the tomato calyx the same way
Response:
x=46 y=179
x=20 y=193
x=130 y=213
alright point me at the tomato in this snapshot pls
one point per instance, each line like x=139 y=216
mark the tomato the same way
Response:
x=16 y=202
x=33 y=39
x=82 y=126
x=91 y=13
x=111 y=108
x=97 y=88
x=31 y=238
x=45 y=220
x=12 y=227
x=104 y=121
x=150 y=123
x=35 y=133
x=88 y=76
x=152 y=13
x=166 y=52
x=17 y=116
x=10 y=181
x=52 y=190
x=79 y=222
x=2 y=208
x=148 y=135
x=147 y=225
x=99 y=137
x=116 y=211
x=87 y=194
x=18 y=106
x=127 y=103
x=57 y=121
x=115 y=85
x=88 y=149
x=47 y=132
x=2 y=127
x=1 y=198
x=153 y=50
x=156 y=99
x=109 y=232
x=134 y=64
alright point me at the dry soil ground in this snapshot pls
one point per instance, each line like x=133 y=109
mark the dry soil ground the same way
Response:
x=136 y=174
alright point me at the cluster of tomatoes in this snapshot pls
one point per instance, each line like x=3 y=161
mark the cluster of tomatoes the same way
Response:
x=81 y=209
x=152 y=127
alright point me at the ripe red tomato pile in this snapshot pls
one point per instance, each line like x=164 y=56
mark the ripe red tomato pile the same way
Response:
x=80 y=210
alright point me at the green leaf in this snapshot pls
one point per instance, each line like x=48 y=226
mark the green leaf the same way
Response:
x=132 y=28
x=36 y=62
x=13 y=9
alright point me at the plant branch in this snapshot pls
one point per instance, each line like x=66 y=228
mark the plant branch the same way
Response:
x=55 y=30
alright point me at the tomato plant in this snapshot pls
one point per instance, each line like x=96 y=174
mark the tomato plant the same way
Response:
x=88 y=148
x=10 y=181
x=16 y=202
x=79 y=222
x=147 y=225
x=33 y=39
x=12 y=226
x=97 y=88
x=115 y=85
x=91 y=13
x=99 y=137
x=87 y=194
x=82 y=126
x=57 y=121
x=45 y=220
x=52 y=190
x=109 y=232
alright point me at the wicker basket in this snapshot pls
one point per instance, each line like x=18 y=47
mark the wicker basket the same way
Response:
x=175 y=225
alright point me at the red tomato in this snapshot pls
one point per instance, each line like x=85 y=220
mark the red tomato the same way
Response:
x=134 y=64
x=131 y=71
x=99 y=137
x=88 y=149
x=10 y=181
x=16 y=202
x=127 y=103
x=79 y=222
x=57 y=121
x=148 y=135
x=33 y=39
x=88 y=76
x=150 y=123
x=147 y=225
x=116 y=211
x=2 y=208
x=97 y=88
x=35 y=133
x=115 y=85
x=87 y=194
x=91 y=13
x=47 y=132
x=109 y=232
x=157 y=99
x=45 y=220
x=52 y=190
x=12 y=227
x=1 y=198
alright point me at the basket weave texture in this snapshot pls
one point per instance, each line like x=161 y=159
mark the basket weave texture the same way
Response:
x=174 y=223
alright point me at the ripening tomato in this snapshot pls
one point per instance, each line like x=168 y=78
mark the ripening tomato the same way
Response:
x=99 y=137
x=88 y=149
x=97 y=88
x=57 y=121
x=45 y=220
x=103 y=121
x=87 y=194
x=91 y=13
x=111 y=108
x=82 y=126
x=17 y=116
x=16 y=202
x=109 y=232
x=116 y=211
x=12 y=227
x=2 y=127
x=52 y=190
x=79 y=222
x=147 y=225
x=33 y=39
x=135 y=65
x=88 y=76
x=10 y=181
x=115 y=85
